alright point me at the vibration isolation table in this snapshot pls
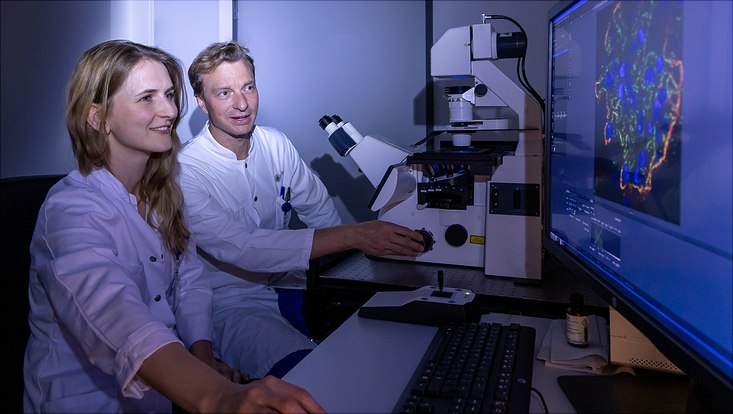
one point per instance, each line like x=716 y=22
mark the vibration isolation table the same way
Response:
x=339 y=287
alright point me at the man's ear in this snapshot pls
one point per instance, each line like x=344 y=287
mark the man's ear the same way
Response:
x=202 y=104
x=93 y=117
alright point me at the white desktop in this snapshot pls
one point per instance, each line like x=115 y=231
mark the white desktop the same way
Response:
x=365 y=365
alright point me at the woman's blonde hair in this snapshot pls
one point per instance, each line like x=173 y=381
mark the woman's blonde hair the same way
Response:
x=98 y=75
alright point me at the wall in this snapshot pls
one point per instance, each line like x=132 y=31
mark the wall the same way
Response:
x=38 y=54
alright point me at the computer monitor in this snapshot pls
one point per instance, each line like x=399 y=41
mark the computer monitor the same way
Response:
x=639 y=171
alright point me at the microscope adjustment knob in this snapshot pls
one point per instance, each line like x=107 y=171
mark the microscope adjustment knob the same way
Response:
x=427 y=240
x=456 y=235
x=481 y=90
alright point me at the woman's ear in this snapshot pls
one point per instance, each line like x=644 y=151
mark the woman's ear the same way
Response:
x=93 y=117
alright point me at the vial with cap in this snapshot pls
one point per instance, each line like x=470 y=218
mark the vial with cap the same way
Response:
x=576 y=319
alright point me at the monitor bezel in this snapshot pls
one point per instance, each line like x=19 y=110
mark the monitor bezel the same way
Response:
x=712 y=390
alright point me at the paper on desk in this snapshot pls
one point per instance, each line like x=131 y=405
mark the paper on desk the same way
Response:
x=556 y=351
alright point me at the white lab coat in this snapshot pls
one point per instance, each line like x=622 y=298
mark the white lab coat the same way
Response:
x=98 y=281
x=235 y=211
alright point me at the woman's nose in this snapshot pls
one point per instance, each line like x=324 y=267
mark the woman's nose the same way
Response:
x=169 y=109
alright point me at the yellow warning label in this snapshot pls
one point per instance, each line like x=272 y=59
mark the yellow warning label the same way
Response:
x=477 y=239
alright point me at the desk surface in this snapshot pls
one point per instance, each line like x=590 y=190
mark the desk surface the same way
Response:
x=365 y=364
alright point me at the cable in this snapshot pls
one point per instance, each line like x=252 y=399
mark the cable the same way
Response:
x=544 y=404
x=521 y=74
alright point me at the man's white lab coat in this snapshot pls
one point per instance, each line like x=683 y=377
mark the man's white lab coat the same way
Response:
x=235 y=211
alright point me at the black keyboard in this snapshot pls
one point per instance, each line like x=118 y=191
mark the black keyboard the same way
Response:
x=473 y=367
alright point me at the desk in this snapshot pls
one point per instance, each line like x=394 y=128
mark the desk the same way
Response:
x=364 y=365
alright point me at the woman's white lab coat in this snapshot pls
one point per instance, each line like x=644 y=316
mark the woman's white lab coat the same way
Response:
x=104 y=296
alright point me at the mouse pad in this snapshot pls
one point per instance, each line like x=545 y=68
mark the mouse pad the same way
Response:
x=626 y=393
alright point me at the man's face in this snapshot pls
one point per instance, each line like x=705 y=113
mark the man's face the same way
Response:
x=229 y=97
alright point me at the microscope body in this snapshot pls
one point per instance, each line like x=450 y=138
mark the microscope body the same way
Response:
x=475 y=197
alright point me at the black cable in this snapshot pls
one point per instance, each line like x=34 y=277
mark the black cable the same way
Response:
x=536 y=96
x=544 y=404
x=534 y=93
x=519 y=73
x=520 y=63
x=522 y=76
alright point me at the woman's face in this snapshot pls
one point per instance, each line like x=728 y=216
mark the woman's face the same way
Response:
x=141 y=113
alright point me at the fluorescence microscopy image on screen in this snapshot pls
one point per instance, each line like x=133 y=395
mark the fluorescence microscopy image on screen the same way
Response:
x=638 y=117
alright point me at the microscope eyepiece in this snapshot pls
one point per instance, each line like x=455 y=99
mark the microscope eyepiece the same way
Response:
x=324 y=121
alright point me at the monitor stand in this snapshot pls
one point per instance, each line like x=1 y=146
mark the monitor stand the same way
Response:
x=626 y=393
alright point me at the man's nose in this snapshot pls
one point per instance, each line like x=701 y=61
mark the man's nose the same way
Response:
x=240 y=102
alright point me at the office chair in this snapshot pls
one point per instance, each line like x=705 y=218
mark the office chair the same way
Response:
x=20 y=199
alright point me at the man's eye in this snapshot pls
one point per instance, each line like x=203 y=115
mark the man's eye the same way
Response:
x=224 y=93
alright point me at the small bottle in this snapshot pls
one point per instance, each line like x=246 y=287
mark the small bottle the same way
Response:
x=576 y=319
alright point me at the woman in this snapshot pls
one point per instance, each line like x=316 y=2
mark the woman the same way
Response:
x=120 y=314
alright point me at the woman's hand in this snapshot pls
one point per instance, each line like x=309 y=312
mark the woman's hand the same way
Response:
x=269 y=395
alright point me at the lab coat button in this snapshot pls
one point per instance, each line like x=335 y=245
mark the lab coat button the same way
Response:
x=157 y=298
x=153 y=259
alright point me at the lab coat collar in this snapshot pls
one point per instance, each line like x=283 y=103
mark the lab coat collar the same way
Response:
x=211 y=144
x=103 y=180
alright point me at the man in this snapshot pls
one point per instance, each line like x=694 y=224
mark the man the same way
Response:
x=241 y=183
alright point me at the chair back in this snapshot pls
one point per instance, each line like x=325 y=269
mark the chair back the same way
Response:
x=20 y=200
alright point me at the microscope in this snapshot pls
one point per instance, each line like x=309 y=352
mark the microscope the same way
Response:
x=475 y=196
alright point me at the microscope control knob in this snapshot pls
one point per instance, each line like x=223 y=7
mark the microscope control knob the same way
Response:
x=427 y=240
x=456 y=235
x=481 y=90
